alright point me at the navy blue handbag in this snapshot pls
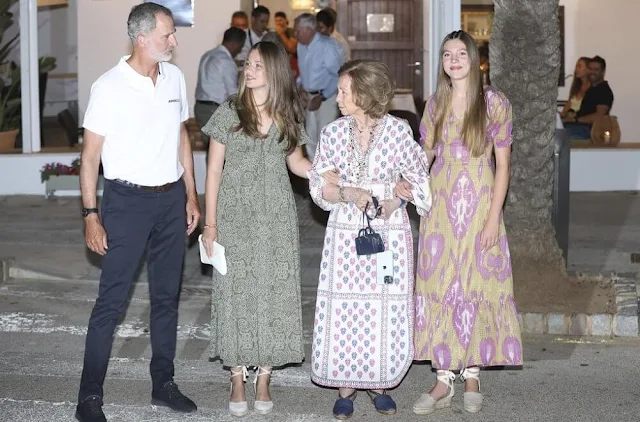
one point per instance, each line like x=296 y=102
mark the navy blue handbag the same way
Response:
x=368 y=241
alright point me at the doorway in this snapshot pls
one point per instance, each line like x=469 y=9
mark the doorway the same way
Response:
x=388 y=31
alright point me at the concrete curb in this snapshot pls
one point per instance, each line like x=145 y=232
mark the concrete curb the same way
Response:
x=624 y=323
x=5 y=269
x=17 y=272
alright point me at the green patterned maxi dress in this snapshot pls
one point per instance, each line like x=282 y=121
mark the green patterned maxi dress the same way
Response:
x=256 y=314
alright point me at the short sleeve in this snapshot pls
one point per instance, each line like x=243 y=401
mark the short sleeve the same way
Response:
x=606 y=97
x=98 y=117
x=426 y=125
x=500 y=119
x=304 y=138
x=184 y=101
x=222 y=123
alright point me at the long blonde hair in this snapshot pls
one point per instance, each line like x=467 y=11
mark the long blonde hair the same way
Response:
x=475 y=116
x=283 y=103
x=576 y=85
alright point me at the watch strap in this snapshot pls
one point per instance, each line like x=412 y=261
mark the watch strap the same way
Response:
x=87 y=211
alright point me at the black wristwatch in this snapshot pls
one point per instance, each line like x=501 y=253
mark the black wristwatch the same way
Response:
x=87 y=211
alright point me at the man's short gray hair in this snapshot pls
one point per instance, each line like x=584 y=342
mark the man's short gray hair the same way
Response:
x=142 y=19
x=306 y=19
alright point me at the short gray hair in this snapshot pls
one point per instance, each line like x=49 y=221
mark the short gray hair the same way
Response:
x=306 y=19
x=142 y=19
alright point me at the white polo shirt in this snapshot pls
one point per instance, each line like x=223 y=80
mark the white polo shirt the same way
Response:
x=140 y=123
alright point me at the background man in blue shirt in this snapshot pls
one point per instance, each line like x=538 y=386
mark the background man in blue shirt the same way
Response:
x=319 y=59
x=217 y=77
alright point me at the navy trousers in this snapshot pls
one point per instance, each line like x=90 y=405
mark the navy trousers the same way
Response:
x=136 y=220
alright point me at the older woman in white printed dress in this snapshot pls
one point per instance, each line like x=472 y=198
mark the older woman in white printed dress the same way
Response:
x=363 y=326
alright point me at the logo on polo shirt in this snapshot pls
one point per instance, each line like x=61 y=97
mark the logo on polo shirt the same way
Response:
x=175 y=100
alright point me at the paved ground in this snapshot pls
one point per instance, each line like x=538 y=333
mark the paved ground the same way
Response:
x=46 y=239
x=45 y=236
x=42 y=326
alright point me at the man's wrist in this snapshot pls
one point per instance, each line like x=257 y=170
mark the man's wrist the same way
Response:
x=92 y=217
x=190 y=187
x=87 y=211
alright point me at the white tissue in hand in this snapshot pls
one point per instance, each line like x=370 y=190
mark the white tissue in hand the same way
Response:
x=218 y=259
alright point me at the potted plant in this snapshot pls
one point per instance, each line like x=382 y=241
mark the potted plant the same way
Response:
x=9 y=84
x=10 y=110
x=58 y=176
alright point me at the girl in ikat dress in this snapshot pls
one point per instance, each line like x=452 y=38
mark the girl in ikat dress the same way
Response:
x=363 y=328
x=465 y=310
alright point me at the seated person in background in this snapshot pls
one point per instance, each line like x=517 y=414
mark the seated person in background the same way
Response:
x=597 y=102
x=579 y=88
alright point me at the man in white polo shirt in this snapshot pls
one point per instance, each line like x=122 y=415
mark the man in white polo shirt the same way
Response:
x=134 y=123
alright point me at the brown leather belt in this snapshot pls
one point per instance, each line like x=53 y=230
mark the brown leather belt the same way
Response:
x=161 y=188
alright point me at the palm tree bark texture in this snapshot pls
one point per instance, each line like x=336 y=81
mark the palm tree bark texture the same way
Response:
x=525 y=63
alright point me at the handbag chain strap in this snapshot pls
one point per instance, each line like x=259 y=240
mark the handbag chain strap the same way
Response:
x=366 y=216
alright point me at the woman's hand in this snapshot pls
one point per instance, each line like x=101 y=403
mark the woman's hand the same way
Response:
x=389 y=206
x=403 y=190
x=489 y=237
x=358 y=196
x=209 y=235
x=331 y=177
x=569 y=117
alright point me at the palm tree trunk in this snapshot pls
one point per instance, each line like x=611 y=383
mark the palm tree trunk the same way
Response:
x=525 y=63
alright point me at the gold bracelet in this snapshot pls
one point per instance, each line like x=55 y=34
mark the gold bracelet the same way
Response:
x=212 y=226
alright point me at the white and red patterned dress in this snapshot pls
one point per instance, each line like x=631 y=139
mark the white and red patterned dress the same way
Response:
x=363 y=330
